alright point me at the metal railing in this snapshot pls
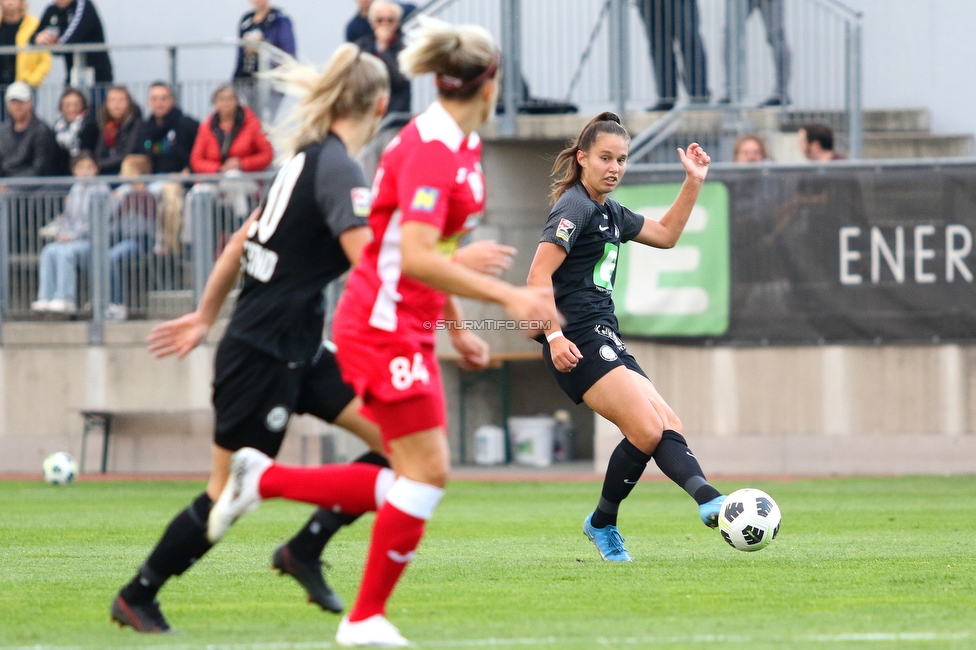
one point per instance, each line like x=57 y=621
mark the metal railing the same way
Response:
x=147 y=251
x=629 y=55
x=173 y=63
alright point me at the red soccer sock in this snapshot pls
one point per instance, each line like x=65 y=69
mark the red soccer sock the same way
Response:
x=396 y=534
x=352 y=489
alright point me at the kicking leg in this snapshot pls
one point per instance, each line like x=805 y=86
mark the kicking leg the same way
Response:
x=678 y=463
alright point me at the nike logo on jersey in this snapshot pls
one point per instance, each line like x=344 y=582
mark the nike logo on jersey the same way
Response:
x=603 y=228
x=399 y=558
x=689 y=453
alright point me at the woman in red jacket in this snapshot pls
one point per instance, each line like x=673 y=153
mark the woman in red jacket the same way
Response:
x=231 y=138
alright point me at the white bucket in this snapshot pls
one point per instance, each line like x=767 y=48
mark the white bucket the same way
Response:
x=489 y=445
x=532 y=440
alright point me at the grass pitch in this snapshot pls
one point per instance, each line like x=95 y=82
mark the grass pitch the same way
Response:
x=858 y=563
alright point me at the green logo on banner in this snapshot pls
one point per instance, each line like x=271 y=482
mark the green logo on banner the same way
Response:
x=683 y=291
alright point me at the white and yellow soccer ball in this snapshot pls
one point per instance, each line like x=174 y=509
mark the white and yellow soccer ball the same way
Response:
x=60 y=468
x=749 y=520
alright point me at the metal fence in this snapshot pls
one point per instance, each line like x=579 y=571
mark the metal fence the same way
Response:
x=144 y=248
x=631 y=55
x=173 y=63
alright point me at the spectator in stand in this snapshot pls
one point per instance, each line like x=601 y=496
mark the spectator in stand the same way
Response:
x=16 y=28
x=167 y=135
x=385 y=40
x=132 y=223
x=358 y=26
x=750 y=148
x=60 y=259
x=75 y=22
x=817 y=143
x=120 y=119
x=268 y=24
x=230 y=138
x=668 y=22
x=74 y=131
x=26 y=142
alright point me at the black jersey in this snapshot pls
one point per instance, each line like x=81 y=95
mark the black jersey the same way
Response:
x=292 y=252
x=591 y=234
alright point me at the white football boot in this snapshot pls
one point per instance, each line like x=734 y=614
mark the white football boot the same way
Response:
x=240 y=495
x=375 y=631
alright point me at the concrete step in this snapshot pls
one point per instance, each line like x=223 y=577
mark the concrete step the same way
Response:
x=896 y=120
x=917 y=145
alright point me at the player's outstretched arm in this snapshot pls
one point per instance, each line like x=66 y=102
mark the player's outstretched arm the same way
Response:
x=421 y=261
x=180 y=335
x=665 y=233
x=488 y=257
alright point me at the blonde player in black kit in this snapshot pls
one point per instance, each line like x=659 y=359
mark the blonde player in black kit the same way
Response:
x=577 y=258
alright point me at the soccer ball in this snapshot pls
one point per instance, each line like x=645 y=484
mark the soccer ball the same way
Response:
x=60 y=468
x=749 y=519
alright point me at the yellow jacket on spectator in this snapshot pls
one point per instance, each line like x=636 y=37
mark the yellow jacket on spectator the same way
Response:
x=32 y=67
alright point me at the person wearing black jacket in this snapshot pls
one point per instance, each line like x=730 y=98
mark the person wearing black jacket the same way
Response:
x=67 y=22
x=120 y=120
x=75 y=130
x=385 y=41
x=167 y=135
x=26 y=142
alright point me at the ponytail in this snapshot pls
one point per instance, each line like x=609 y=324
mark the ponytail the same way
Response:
x=462 y=57
x=347 y=88
x=566 y=170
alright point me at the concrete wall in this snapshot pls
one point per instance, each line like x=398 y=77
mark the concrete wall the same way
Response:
x=817 y=410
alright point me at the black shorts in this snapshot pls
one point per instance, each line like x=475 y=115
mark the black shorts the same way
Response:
x=602 y=350
x=254 y=394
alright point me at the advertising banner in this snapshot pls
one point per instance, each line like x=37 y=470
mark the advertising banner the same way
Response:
x=838 y=253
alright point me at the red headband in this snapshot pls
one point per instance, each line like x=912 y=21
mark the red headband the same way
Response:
x=447 y=82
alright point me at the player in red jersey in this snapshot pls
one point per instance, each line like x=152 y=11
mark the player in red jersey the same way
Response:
x=428 y=193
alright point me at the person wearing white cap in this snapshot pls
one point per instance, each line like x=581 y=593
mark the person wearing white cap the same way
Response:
x=26 y=142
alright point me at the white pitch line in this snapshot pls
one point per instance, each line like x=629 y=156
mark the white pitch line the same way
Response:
x=863 y=637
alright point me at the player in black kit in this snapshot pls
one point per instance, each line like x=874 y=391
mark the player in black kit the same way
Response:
x=272 y=361
x=577 y=258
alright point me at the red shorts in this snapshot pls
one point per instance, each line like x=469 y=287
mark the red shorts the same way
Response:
x=400 y=383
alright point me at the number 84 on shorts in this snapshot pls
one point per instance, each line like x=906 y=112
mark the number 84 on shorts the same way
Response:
x=404 y=371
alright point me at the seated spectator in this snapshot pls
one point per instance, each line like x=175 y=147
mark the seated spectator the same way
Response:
x=120 y=119
x=358 y=26
x=817 y=143
x=750 y=148
x=167 y=135
x=26 y=142
x=230 y=138
x=385 y=40
x=58 y=270
x=132 y=223
x=268 y=24
x=74 y=131
x=66 y=22
x=16 y=28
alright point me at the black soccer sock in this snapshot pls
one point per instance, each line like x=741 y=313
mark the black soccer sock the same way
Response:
x=627 y=463
x=680 y=465
x=310 y=541
x=183 y=543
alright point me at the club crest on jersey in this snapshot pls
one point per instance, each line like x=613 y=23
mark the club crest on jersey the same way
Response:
x=425 y=199
x=565 y=229
x=361 y=201
x=277 y=419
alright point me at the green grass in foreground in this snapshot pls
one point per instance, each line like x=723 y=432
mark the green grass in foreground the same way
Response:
x=859 y=562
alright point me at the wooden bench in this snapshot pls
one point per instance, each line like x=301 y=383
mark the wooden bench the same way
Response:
x=101 y=418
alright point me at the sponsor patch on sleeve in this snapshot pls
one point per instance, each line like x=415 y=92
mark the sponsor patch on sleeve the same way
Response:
x=565 y=229
x=425 y=199
x=361 y=201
